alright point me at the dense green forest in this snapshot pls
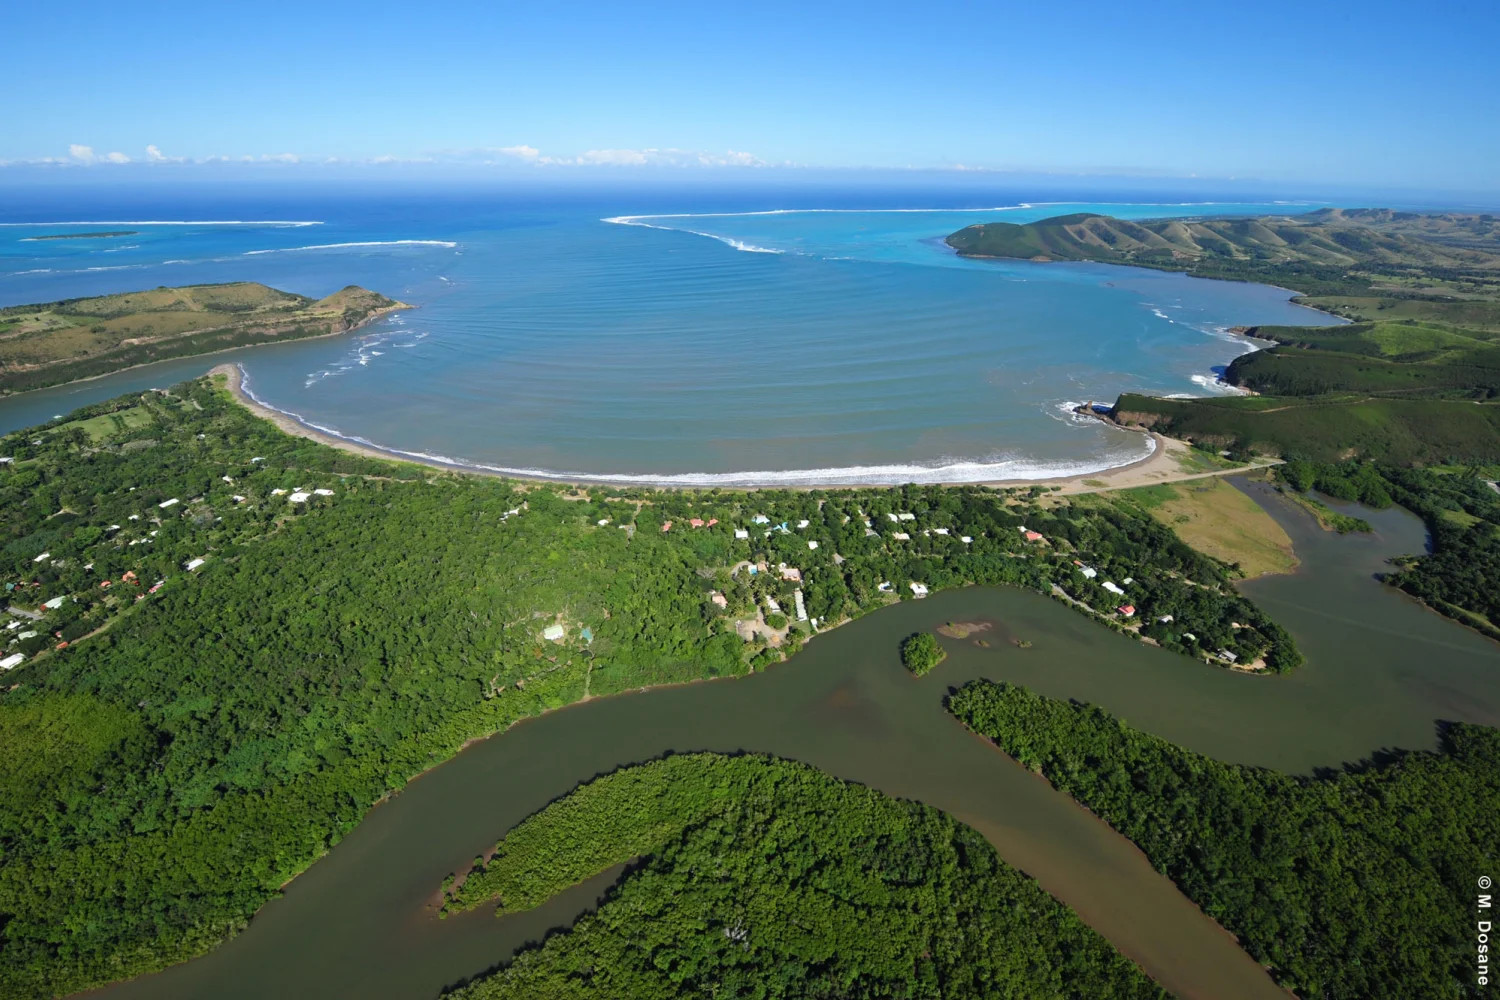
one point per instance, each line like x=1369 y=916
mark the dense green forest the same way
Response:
x=759 y=877
x=1355 y=885
x=182 y=742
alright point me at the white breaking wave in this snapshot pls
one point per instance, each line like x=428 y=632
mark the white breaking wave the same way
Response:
x=363 y=243
x=996 y=469
x=176 y=222
x=624 y=220
x=1216 y=384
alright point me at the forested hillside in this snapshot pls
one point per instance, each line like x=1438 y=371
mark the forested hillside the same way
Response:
x=763 y=878
x=183 y=741
x=1350 y=886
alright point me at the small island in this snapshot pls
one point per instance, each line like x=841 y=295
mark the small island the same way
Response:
x=81 y=236
x=57 y=342
x=920 y=652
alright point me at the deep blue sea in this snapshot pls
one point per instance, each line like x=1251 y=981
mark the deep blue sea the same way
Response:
x=711 y=338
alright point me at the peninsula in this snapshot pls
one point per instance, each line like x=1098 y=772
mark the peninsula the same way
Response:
x=57 y=342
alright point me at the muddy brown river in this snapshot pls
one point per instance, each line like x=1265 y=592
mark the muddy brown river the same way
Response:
x=1381 y=672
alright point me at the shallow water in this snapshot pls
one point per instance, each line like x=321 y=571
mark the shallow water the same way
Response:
x=550 y=340
x=1381 y=672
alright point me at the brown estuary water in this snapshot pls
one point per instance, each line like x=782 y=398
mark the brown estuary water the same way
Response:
x=1381 y=672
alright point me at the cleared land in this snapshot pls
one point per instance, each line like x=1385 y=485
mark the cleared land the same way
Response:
x=42 y=345
x=1218 y=520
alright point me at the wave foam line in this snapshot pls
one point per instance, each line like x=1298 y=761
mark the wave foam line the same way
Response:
x=363 y=243
x=737 y=244
x=633 y=220
x=952 y=471
x=176 y=222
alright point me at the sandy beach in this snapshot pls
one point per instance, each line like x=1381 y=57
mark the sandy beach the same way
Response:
x=1165 y=464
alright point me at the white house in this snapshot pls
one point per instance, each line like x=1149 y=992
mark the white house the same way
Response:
x=803 y=523
x=323 y=492
x=1165 y=619
x=1089 y=572
x=885 y=587
x=966 y=539
x=760 y=519
x=553 y=633
x=55 y=603
x=43 y=557
x=940 y=531
x=194 y=563
x=167 y=503
x=907 y=517
x=801 y=608
x=919 y=589
x=812 y=545
x=893 y=517
x=1113 y=588
x=14 y=659
x=298 y=497
x=741 y=533
x=901 y=536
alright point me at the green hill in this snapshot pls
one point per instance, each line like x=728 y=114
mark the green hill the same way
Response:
x=56 y=342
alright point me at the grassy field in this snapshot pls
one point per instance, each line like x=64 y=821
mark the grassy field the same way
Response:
x=106 y=425
x=42 y=345
x=1218 y=520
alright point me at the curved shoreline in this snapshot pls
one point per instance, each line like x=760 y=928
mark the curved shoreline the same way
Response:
x=1162 y=465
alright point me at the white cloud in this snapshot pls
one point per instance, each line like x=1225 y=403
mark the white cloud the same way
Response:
x=117 y=157
x=523 y=152
x=83 y=153
x=155 y=155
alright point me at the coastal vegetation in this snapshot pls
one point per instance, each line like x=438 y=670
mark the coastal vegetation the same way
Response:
x=56 y=342
x=920 y=652
x=1328 y=252
x=234 y=641
x=759 y=877
x=1351 y=885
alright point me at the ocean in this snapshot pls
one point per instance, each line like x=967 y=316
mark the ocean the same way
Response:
x=703 y=338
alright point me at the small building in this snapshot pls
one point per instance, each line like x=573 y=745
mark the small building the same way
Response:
x=919 y=589
x=128 y=576
x=907 y=517
x=812 y=545
x=1089 y=572
x=14 y=659
x=553 y=633
x=168 y=503
x=298 y=497
x=791 y=573
x=885 y=587
x=193 y=564
x=966 y=539
x=741 y=533
x=103 y=584
x=238 y=498
x=939 y=531
x=719 y=599
x=55 y=603
x=801 y=608
x=871 y=533
x=803 y=523
x=893 y=517
x=1189 y=637
x=1166 y=619
x=1128 y=610
x=666 y=526
x=1226 y=655
x=696 y=522
x=901 y=536
x=278 y=492
x=323 y=493
x=1128 y=580
x=772 y=607
x=712 y=521
x=1033 y=536
x=760 y=519
x=1113 y=588
x=603 y=521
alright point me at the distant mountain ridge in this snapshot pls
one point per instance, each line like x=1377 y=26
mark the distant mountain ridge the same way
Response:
x=1332 y=251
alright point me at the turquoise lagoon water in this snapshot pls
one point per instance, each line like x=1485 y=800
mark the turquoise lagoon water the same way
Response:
x=731 y=344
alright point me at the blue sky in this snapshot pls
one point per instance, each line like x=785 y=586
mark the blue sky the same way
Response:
x=1370 y=94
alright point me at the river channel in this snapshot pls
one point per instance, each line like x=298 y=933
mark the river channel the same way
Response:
x=1381 y=672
